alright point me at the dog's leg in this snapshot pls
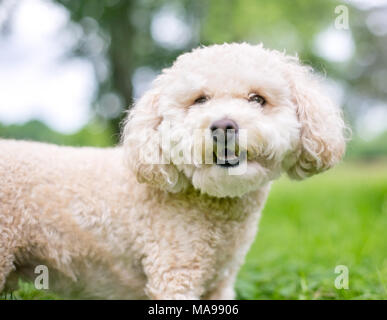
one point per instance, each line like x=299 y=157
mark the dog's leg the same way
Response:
x=224 y=288
x=176 y=281
x=173 y=284
x=10 y=235
x=6 y=257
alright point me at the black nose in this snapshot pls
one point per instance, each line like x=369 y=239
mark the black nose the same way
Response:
x=224 y=125
x=221 y=127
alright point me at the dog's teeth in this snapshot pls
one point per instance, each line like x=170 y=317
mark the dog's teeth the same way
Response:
x=228 y=159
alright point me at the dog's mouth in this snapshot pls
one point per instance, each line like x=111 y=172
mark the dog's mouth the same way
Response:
x=228 y=158
x=226 y=161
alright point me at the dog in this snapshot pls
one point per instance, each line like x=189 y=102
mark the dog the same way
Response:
x=112 y=224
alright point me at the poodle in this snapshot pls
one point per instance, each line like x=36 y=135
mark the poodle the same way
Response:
x=171 y=212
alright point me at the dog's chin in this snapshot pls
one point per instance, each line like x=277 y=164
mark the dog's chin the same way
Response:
x=230 y=179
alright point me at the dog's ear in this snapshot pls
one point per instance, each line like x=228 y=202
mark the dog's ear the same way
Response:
x=322 y=141
x=142 y=143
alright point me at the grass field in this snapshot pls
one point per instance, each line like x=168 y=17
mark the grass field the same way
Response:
x=307 y=229
x=310 y=227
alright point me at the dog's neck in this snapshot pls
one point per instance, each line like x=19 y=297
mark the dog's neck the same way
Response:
x=226 y=208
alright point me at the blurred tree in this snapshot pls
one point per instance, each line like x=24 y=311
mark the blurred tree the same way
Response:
x=295 y=25
x=125 y=29
x=122 y=39
x=282 y=24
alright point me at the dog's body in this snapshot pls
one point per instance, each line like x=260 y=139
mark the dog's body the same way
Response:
x=102 y=232
x=97 y=242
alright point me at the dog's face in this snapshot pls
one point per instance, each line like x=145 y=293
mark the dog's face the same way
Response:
x=228 y=119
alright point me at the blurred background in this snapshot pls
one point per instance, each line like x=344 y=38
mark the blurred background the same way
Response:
x=69 y=69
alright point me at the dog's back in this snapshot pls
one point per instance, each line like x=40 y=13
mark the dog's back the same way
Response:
x=53 y=202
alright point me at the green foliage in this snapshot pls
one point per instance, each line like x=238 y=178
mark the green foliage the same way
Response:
x=279 y=24
x=368 y=149
x=94 y=134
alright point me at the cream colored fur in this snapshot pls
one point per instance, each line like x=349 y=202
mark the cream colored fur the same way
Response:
x=108 y=225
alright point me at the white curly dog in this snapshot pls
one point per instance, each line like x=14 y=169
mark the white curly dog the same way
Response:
x=109 y=223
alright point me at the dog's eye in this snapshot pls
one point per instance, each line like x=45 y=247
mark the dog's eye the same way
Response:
x=201 y=99
x=253 y=97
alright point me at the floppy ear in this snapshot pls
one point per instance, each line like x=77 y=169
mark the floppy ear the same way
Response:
x=322 y=142
x=141 y=140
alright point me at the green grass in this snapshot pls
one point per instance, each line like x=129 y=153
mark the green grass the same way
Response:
x=307 y=229
x=310 y=227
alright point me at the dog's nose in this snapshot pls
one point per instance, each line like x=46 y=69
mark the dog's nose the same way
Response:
x=224 y=125
x=221 y=127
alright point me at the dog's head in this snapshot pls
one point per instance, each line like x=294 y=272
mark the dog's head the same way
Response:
x=228 y=119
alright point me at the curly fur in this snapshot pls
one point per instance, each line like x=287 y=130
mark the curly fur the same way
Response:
x=109 y=224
